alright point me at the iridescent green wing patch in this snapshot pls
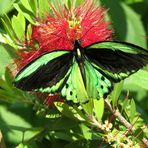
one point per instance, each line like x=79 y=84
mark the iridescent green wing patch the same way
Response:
x=97 y=85
x=44 y=72
x=116 y=60
x=74 y=89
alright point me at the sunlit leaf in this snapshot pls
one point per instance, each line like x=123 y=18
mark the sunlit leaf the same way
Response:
x=133 y=24
x=19 y=24
x=43 y=8
x=9 y=119
x=8 y=27
x=116 y=93
x=5 y=6
x=86 y=132
x=140 y=79
x=33 y=4
x=132 y=110
x=68 y=111
x=26 y=4
x=99 y=108
x=27 y=14
x=126 y=22
x=29 y=32
x=88 y=107
x=5 y=59
x=125 y=102
x=29 y=145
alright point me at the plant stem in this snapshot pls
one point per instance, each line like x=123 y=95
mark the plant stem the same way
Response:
x=129 y=126
x=2 y=143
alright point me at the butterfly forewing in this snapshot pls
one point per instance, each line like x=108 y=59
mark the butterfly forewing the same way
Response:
x=117 y=60
x=44 y=72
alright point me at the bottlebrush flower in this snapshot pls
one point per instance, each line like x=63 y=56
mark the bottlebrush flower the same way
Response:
x=63 y=26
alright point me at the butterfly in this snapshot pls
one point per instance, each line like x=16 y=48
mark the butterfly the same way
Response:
x=84 y=72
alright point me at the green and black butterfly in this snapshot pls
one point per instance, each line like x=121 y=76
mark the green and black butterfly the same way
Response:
x=82 y=73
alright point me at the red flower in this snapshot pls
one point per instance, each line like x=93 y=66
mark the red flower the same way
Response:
x=61 y=29
x=63 y=26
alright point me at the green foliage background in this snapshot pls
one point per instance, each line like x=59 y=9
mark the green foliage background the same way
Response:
x=130 y=23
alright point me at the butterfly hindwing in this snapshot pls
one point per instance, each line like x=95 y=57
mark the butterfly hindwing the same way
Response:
x=97 y=85
x=74 y=89
x=117 y=60
x=44 y=72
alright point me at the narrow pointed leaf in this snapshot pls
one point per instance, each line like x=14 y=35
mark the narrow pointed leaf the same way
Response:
x=18 y=24
x=68 y=111
x=29 y=31
x=43 y=7
x=33 y=4
x=8 y=27
x=26 y=4
x=99 y=108
x=88 y=107
x=124 y=105
x=116 y=93
x=132 y=110
x=27 y=14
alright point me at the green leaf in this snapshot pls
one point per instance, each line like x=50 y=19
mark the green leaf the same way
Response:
x=8 y=42
x=99 y=108
x=29 y=32
x=117 y=17
x=64 y=136
x=10 y=50
x=32 y=145
x=132 y=110
x=19 y=24
x=68 y=111
x=8 y=77
x=88 y=107
x=68 y=3
x=43 y=7
x=5 y=6
x=8 y=27
x=126 y=22
x=87 y=133
x=116 y=93
x=27 y=13
x=10 y=94
x=125 y=103
x=79 y=2
x=140 y=79
x=132 y=1
x=64 y=124
x=146 y=2
x=33 y=4
x=9 y=120
x=26 y=5
x=135 y=29
x=5 y=59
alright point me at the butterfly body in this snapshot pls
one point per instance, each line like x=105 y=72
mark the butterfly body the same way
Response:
x=84 y=72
